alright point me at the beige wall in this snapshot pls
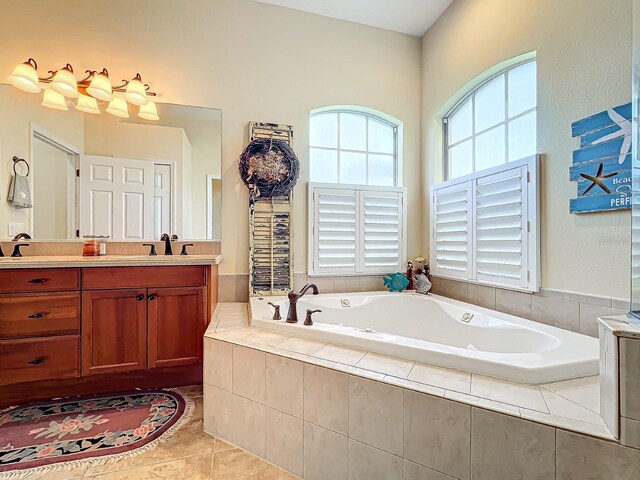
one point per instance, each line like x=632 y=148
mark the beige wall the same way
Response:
x=256 y=62
x=584 y=66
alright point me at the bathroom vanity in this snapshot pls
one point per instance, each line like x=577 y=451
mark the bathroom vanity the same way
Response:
x=77 y=326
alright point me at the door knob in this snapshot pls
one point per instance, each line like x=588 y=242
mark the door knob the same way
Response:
x=139 y=297
x=151 y=297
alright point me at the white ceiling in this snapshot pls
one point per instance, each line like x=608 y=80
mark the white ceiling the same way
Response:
x=413 y=17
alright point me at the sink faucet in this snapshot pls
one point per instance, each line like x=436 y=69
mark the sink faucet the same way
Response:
x=167 y=243
x=21 y=236
x=292 y=315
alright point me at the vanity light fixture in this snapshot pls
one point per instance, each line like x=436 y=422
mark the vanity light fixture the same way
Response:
x=100 y=86
x=118 y=107
x=149 y=111
x=54 y=100
x=87 y=104
x=25 y=77
x=136 y=93
x=95 y=87
x=64 y=82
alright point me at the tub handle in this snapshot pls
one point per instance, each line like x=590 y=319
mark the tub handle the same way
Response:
x=276 y=314
x=308 y=321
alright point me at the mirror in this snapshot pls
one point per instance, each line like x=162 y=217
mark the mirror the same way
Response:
x=126 y=178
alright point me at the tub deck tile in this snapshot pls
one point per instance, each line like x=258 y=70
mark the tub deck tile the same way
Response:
x=583 y=391
x=518 y=394
x=386 y=365
x=441 y=377
x=338 y=354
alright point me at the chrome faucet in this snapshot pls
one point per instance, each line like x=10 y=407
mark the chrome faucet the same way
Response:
x=292 y=315
x=167 y=243
x=21 y=236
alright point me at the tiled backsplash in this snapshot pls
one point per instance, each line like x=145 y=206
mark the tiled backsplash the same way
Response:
x=568 y=310
x=235 y=288
x=43 y=248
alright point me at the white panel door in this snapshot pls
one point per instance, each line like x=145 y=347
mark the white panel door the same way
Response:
x=116 y=197
x=162 y=199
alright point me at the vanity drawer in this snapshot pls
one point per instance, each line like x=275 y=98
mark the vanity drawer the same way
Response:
x=39 y=280
x=29 y=315
x=39 y=359
x=143 y=277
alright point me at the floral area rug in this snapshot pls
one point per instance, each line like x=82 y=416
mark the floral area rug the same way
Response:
x=82 y=431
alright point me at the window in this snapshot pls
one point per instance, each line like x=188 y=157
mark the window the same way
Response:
x=352 y=147
x=356 y=230
x=357 y=209
x=493 y=125
x=484 y=226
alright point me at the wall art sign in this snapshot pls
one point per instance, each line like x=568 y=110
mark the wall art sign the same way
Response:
x=602 y=165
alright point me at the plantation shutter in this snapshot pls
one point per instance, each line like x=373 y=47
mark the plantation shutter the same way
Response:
x=451 y=216
x=335 y=236
x=501 y=243
x=381 y=227
x=484 y=226
x=356 y=229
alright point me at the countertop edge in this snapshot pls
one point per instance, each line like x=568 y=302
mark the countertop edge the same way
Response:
x=8 y=263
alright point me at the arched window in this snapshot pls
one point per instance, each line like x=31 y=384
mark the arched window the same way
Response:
x=494 y=124
x=353 y=147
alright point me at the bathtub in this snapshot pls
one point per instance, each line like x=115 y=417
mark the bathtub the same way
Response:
x=439 y=331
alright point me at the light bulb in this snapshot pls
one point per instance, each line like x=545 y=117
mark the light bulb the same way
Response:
x=54 y=100
x=149 y=111
x=118 y=107
x=100 y=87
x=136 y=92
x=64 y=82
x=25 y=77
x=87 y=104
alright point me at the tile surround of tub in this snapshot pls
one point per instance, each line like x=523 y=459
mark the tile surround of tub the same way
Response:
x=569 y=310
x=235 y=288
x=568 y=412
x=442 y=439
x=629 y=364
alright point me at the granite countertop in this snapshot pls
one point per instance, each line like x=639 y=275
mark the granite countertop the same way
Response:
x=620 y=326
x=107 y=261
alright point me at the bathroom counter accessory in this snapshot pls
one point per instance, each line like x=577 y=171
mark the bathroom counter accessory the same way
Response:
x=72 y=261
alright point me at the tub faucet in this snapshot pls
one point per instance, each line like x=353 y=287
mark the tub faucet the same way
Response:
x=292 y=316
x=167 y=243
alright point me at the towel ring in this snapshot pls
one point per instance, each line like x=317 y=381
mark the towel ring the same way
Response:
x=17 y=160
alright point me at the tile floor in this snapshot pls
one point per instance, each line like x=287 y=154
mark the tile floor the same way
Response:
x=190 y=454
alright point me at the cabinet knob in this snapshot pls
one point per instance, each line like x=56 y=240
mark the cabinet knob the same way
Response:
x=139 y=297
x=151 y=297
x=37 y=361
x=38 y=280
x=37 y=315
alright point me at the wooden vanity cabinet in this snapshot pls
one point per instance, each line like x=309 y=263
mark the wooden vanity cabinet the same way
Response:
x=39 y=325
x=114 y=331
x=102 y=329
x=128 y=329
x=177 y=321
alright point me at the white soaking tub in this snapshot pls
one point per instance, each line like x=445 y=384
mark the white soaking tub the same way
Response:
x=439 y=331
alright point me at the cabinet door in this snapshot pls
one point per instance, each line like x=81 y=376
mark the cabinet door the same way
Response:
x=176 y=325
x=114 y=331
